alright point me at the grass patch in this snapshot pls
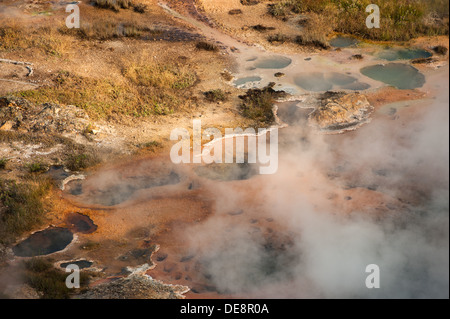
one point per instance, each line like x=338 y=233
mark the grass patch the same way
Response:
x=163 y=76
x=78 y=162
x=315 y=31
x=440 y=50
x=215 y=96
x=278 y=38
x=400 y=20
x=206 y=46
x=3 y=162
x=41 y=275
x=114 y=5
x=262 y=28
x=148 y=89
x=257 y=105
x=140 y=8
x=16 y=37
x=151 y=146
x=107 y=30
x=36 y=168
x=250 y=2
x=21 y=207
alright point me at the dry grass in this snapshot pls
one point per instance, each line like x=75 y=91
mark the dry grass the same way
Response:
x=400 y=20
x=41 y=275
x=202 y=45
x=17 y=37
x=149 y=73
x=315 y=32
x=21 y=206
x=215 y=96
x=114 y=5
x=258 y=105
x=147 y=88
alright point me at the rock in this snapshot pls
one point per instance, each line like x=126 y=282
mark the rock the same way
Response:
x=22 y=115
x=279 y=75
x=137 y=285
x=341 y=113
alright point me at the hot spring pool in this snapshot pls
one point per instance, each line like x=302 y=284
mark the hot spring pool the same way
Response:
x=343 y=42
x=246 y=80
x=401 y=76
x=44 y=242
x=275 y=62
x=391 y=54
x=319 y=82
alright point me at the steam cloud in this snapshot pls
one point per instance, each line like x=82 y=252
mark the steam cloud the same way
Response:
x=329 y=252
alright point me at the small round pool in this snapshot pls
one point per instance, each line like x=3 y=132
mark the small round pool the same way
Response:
x=399 y=75
x=343 y=42
x=275 y=62
x=44 y=242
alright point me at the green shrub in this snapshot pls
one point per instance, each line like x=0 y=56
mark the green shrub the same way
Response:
x=215 y=96
x=202 y=45
x=78 y=162
x=22 y=207
x=257 y=105
x=41 y=275
x=400 y=20
x=3 y=162
x=114 y=5
x=37 y=167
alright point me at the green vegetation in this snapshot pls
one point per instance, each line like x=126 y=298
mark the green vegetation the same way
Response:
x=278 y=38
x=207 y=46
x=78 y=162
x=50 y=282
x=16 y=37
x=400 y=20
x=37 y=167
x=440 y=50
x=150 y=146
x=21 y=207
x=107 y=30
x=163 y=76
x=148 y=89
x=257 y=105
x=3 y=162
x=215 y=96
x=115 y=5
x=250 y=2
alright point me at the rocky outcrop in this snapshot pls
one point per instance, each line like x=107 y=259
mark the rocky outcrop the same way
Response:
x=19 y=114
x=137 y=285
x=339 y=112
